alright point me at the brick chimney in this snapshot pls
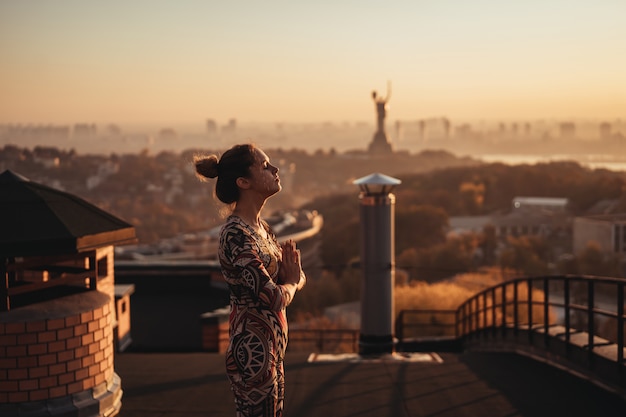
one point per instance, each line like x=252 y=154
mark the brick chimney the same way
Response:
x=57 y=311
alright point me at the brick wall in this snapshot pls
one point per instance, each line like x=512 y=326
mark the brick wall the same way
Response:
x=46 y=359
x=215 y=330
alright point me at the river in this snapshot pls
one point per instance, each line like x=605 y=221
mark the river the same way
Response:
x=592 y=161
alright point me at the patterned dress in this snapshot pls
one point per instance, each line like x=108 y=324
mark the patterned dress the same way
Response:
x=258 y=322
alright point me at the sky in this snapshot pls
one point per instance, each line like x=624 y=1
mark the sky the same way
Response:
x=185 y=61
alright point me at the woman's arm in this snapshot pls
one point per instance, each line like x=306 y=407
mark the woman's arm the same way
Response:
x=242 y=255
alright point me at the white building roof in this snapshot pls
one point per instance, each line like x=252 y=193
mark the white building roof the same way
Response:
x=540 y=201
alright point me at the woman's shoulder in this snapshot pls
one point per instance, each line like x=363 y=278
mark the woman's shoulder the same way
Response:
x=232 y=223
x=234 y=226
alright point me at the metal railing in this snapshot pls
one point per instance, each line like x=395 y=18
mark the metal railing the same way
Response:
x=579 y=318
x=324 y=340
x=417 y=324
x=564 y=315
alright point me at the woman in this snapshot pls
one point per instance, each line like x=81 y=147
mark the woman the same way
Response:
x=262 y=275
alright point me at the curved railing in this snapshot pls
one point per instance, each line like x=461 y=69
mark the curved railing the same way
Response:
x=577 y=321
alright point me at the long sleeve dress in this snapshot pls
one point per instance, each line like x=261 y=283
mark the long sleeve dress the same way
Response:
x=258 y=322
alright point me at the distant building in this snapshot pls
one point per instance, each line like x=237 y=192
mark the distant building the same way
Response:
x=605 y=130
x=532 y=223
x=47 y=161
x=113 y=130
x=605 y=206
x=447 y=125
x=168 y=134
x=527 y=129
x=540 y=203
x=85 y=129
x=231 y=127
x=568 y=130
x=39 y=132
x=535 y=216
x=514 y=129
x=468 y=224
x=211 y=126
x=105 y=170
x=608 y=231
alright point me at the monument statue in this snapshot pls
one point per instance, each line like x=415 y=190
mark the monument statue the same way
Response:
x=380 y=143
x=381 y=108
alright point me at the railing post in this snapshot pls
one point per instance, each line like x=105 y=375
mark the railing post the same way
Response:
x=566 y=301
x=529 y=291
x=620 y=331
x=515 y=318
x=503 y=309
x=484 y=329
x=400 y=327
x=476 y=316
x=546 y=311
x=466 y=323
x=462 y=318
x=590 y=315
x=320 y=342
x=493 y=312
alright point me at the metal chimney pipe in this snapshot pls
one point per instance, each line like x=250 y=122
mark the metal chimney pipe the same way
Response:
x=377 y=218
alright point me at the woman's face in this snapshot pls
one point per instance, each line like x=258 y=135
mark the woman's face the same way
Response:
x=263 y=175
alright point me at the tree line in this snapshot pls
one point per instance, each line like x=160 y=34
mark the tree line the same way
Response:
x=425 y=201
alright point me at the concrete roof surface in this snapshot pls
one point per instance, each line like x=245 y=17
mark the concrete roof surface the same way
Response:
x=466 y=384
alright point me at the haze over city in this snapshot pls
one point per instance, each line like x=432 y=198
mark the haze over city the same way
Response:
x=172 y=63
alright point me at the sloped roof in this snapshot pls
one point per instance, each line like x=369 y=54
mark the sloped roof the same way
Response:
x=39 y=220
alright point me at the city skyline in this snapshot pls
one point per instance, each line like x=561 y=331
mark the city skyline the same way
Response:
x=295 y=62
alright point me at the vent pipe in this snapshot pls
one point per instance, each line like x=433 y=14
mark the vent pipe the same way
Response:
x=377 y=263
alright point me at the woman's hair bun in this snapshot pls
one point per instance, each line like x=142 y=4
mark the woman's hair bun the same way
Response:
x=206 y=166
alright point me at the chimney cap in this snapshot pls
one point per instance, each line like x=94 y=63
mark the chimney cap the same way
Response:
x=377 y=184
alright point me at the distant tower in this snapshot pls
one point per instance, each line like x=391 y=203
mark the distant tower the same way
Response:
x=231 y=127
x=527 y=129
x=568 y=130
x=605 y=130
x=446 y=127
x=211 y=126
x=399 y=130
x=85 y=130
x=422 y=130
x=380 y=144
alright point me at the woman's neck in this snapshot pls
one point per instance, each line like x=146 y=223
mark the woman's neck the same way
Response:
x=250 y=215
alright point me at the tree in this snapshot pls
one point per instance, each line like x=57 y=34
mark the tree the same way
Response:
x=419 y=227
x=525 y=254
x=488 y=243
x=592 y=260
x=472 y=197
x=436 y=262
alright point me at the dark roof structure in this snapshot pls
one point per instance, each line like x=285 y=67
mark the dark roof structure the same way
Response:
x=39 y=220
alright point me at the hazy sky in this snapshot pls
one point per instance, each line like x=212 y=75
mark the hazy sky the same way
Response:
x=67 y=61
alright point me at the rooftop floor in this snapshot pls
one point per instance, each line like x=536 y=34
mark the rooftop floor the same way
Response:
x=467 y=384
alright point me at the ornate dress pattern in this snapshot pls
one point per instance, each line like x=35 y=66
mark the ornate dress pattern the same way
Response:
x=258 y=323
